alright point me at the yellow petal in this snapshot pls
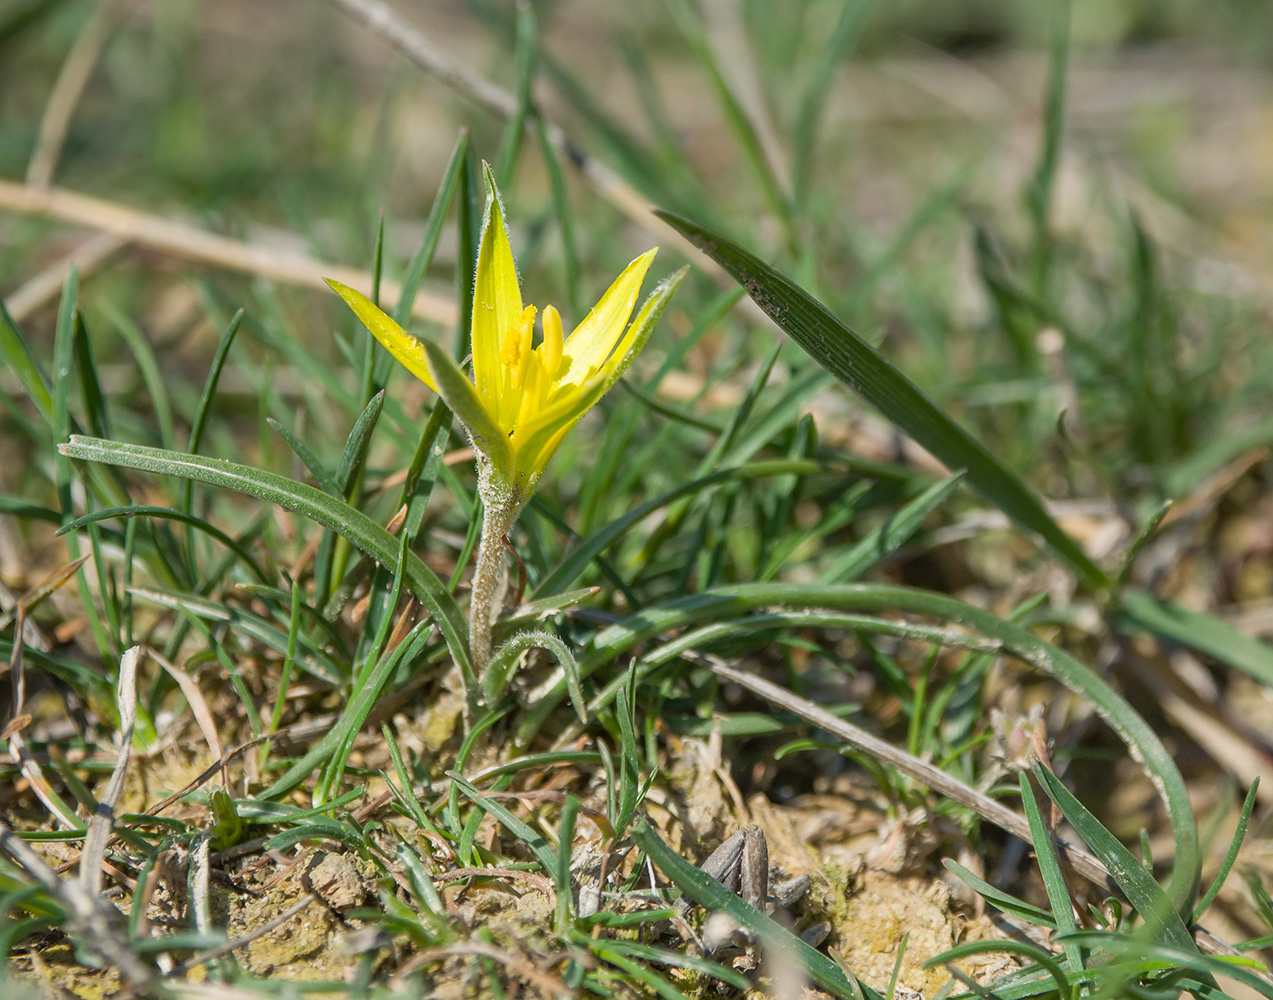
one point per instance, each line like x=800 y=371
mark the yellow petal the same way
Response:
x=593 y=340
x=399 y=343
x=564 y=406
x=497 y=298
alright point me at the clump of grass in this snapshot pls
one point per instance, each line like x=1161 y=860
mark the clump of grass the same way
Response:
x=257 y=627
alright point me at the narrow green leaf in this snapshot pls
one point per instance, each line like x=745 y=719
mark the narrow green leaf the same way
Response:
x=524 y=61
x=17 y=355
x=997 y=897
x=1137 y=884
x=1231 y=856
x=143 y=510
x=316 y=661
x=890 y=536
x=865 y=370
x=840 y=42
x=1054 y=883
x=354 y=455
x=587 y=549
x=362 y=532
x=90 y=385
x=419 y=265
x=312 y=462
x=354 y=715
x=1206 y=633
x=148 y=365
x=538 y=845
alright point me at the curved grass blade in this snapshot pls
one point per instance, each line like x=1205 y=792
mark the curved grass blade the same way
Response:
x=1244 y=818
x=998 y=898
x=537 y=844
x=362 y=531
x=145 y=510
x=505 y=659
x=865 y=370
x=1023 y=948
x=695 y=610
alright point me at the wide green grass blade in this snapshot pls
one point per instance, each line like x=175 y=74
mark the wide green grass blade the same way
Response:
x=362 y=532
x=1050 y=868
x=865 y=370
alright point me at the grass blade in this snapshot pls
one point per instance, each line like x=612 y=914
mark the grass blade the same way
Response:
x=362 y=531
x=1137 y=884
x=865 y=370
x=1205 y=633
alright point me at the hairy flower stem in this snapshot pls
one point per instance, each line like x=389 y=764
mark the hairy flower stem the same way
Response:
x=500 y=511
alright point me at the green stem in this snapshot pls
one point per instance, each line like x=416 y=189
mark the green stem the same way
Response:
x=499 y=513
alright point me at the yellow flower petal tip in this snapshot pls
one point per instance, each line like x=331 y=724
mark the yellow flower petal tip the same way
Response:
x=530 y=394
x=396 y=340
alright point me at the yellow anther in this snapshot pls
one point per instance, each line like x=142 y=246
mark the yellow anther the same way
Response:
x=553 y=341
x=514 y=352
x=517 y=338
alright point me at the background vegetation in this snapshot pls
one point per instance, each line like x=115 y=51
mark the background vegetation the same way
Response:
x=1039 y=234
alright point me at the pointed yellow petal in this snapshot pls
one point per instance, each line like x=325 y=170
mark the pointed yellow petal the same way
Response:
x=593 y=340
x=642 y=326
x=565 y=405
x=399 y=343
x=497 y=297
x=537 y=441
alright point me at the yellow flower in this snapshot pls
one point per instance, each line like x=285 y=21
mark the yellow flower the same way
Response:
x=524 y=397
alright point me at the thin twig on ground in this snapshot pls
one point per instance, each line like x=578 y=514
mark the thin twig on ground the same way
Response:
x=189 y=241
